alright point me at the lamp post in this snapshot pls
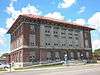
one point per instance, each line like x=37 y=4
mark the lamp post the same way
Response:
x=81 y=56
x=65 y=56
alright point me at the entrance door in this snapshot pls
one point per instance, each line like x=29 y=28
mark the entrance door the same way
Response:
x=72 y=55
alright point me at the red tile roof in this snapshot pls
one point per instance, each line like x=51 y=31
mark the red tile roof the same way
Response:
x=56 y=20
x=67 y=24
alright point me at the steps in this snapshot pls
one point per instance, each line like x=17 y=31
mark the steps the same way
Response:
x=75 y=62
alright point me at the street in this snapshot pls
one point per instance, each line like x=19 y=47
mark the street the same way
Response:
x=66 y=70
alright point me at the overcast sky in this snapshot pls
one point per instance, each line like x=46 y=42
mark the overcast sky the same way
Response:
x=83 y=12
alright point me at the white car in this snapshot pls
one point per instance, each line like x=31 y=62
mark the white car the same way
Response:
x=2 y=65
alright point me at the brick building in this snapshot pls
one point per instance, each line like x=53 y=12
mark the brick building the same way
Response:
x=38 y=39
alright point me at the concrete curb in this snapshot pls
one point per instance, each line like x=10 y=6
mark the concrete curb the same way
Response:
x=59 y=67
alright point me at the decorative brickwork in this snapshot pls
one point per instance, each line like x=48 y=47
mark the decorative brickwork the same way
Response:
x=37 y=39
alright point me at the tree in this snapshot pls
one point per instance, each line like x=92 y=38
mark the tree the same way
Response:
x=96 y=54
x=4 y=55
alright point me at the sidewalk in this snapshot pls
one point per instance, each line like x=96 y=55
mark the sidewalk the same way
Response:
x=69 y=68
x=64 y=67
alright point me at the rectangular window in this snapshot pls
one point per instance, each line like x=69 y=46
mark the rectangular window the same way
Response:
x=17 y=43
x=47 y=31
x=63 y=33
x=70 y=37
x=47 y=44
x=78 y=54
x=76 y=38
x=69 y=33
x=56 y=54
x=76 y=34
x=70 y=45
x=86 y=34
x=32 y=44
x=32 y=27
x=47 y=26
x=70 y=30
x=63 y=37
x=72 y=55
x=32 y=53
x=87 y=54
x=48 y=55
x=48 y=35
x=63 y=44
x=64 y=29
x=32 y=40
x=76 y=45
x=55 y=32
x=86 y=43
x=56 y=36
x=55 y=44
x=56 y=28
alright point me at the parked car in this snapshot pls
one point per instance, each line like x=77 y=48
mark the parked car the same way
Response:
x=2 y=65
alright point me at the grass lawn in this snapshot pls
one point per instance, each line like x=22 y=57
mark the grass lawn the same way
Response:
x=40 y=66
x=2 y=69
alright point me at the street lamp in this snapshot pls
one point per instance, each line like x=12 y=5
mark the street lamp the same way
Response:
x=65 y=58
x=81 y=56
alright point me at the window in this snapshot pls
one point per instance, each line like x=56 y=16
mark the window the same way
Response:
x=63 y=37
x=77 y=31
x=56 y=36
x=64 y=29
x=72 y=55
x=32 y=40
x=76 y=34
x=56 y=54
x=55 y=44
x=32 y=27
x=17 y=43
x=18 y=31
x=32 y=56
x=69 y=33
x=47 y=34
x=87 y=54
x=55 y=32
x=47 y=26
x=32 y=44
x=56 y=28
x=63 y=44
x=70 y=29
x=12 y=37
x=76 y=38
x=86 y=43
x=70 y=37
x=47 y=44
x=48 y=55
x=86 y=35
x=78 y=54
x=62 y=33
x=47 y=31
x=20 y=40
x=70 y=45
x=76 y=45
x=32 y=53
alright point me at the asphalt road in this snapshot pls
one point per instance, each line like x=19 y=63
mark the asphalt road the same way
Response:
x=68 y=70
